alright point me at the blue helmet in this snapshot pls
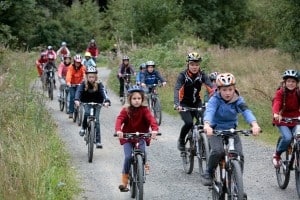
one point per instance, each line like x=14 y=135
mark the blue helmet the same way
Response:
x=143 y=66
x=135 y=88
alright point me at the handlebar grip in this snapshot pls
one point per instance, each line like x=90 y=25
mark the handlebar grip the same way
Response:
x=115 y=135
x=158 y=134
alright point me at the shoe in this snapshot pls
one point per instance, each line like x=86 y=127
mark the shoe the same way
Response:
x=81 y=132
x=99 y=145
x=147 y=168
x=206 y=178
x=70 y=115
x=121 y=99
x=122 y=188
x=276 y=160
x=245 y=196
x=180 y=145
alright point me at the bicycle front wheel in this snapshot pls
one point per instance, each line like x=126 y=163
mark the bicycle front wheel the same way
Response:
x=235 y=180
x=218 y=186
x=188 y=154
x=203 y=153
x=297 y=169
x=140 y=178
x=157 y=110
x=75 y=114
x=132 y=181
x=80 y=115
x=283 y=172
x=61 y=101
x=91 y=138
x=66 y=100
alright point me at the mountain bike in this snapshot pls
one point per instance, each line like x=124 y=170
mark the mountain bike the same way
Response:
x=63 y=99
x=154 y=102
x=290 y=159
x=90 y=132
x=78 y=114
x=137 y=175
x=48 y=81
x=228 y=177
x=127 y=85
x=77 y=110
x=196 y=144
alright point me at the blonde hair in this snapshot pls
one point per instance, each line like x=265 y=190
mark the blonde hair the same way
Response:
x=95 y=84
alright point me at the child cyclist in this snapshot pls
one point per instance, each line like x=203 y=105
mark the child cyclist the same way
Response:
x=62 y=72
x=187 y=93
x=88 y=61
x=140 y=73
x=75 y=76
x=136 y=117
x=222 y=114
x=91 y=91
x=286 y=104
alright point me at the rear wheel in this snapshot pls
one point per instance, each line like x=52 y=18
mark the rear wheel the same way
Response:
x=61 y=101
x=283 y=172
x=50 y=89
x=203 y=153
x=157 y=110
x=140 y=178
x=297 y=169
x=235 y=180
x=75 y=114
x=188 y=154
x=66 y=100
x=91 y=138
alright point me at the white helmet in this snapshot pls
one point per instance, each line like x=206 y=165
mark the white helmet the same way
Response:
x=225 y=79
x=290 y=73
x=91 y=69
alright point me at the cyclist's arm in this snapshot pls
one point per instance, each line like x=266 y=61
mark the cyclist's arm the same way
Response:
x=149 y=117
x=160 y=78
x=69 y=76
x=277 y=102
x=59 y=71
x=246 y=112
x=178 y=90
x=59 y=51
x=120 y=120
x=79 y=91
x=103 y=93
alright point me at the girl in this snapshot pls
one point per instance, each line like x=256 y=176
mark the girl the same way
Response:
x=134 y=118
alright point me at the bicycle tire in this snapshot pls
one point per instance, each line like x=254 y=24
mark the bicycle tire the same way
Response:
x=157 y=110
x=235 y=181
x=188 y=154
x=203 y=153
x=50 y=89
x=132 y=180
x=61 y=101
x=66 y=102
x=75 y=114
x=91 y=138
x=297 y=169
x=80 y=115
x=218 y=186
x=283 y=172
x=140 y=178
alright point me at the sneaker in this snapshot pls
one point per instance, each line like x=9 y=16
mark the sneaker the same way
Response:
x=206 y=179
x=99 y=145
x=147 y=169
x=180 y=145
x=81 y=132
x=70 y=115
x=276 y=160
x=245 y=196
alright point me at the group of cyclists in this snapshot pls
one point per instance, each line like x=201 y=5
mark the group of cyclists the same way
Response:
x=224 y=103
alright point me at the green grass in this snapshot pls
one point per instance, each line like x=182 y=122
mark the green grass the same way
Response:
x=33 y=161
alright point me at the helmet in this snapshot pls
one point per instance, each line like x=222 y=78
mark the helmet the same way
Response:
x=77 y=58
x=125 y=58
x=225 y=79
x=213 y=76
x=43 y=54
x=67 y=56
x=50 y=48
x=63 y=44
x=50 y=56
x=88 y=54
x=135 y=88
x=92 y=41
x=194 y=56
x=143 y=66
x=91 y=69
x=290 y=73
x=150 y=63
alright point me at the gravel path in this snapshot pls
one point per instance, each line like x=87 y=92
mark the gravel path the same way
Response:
x=167 y=180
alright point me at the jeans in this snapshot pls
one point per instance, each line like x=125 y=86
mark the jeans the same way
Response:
x=97 y=114
x=286 y=137
x=128 y=154
x=217 y=151
x=72 y=91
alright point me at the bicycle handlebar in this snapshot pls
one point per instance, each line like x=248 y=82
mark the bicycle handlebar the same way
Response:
x=94 y=104
x=136 y=135
x=231 y=132
x=185 y=109
x=291 y=120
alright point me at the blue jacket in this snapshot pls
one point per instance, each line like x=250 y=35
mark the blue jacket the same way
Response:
x=224 y=115
x=89 y=62
x=152 y=78
x=139 y=77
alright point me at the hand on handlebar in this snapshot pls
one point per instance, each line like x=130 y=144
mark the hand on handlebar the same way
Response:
x=153 y=135
x=207 y=129
x=77 y=103
x=106 y=104
x=120 y=134
x=255 y=129
x=164 y=83
x=277 y=117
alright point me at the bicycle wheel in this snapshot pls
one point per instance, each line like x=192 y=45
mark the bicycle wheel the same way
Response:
x=188 y=154
x=157 y=110
x=91 y=138
x=50 y=89
x=132 y=181
x=297 y=169
x=75 y=114
x=140 y=178
x=218 y=187
x=66 y=100
x=283 y=172
x=235 y=181
x=80 y=115
x=61 y=101
x=203 y=153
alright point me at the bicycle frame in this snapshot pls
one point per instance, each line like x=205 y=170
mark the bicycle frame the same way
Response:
x=127 y=84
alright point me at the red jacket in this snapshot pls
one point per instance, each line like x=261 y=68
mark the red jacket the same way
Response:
x=93 y=50
x=139 y=120
x=292 y=105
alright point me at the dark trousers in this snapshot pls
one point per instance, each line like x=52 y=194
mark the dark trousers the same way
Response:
x=187 y=118
x=121 y=80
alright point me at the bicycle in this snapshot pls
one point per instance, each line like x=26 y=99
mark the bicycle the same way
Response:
x=127 y=85
x=76 y=109
x=228 y=177
x=48 y=81
x=291 y=159
x=137 y=175
x=63 y=99
x=154 y=102
x=196 y=144
x=78 y=114
x=90 y=132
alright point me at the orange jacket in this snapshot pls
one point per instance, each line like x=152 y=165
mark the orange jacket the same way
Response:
x=75 y=76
